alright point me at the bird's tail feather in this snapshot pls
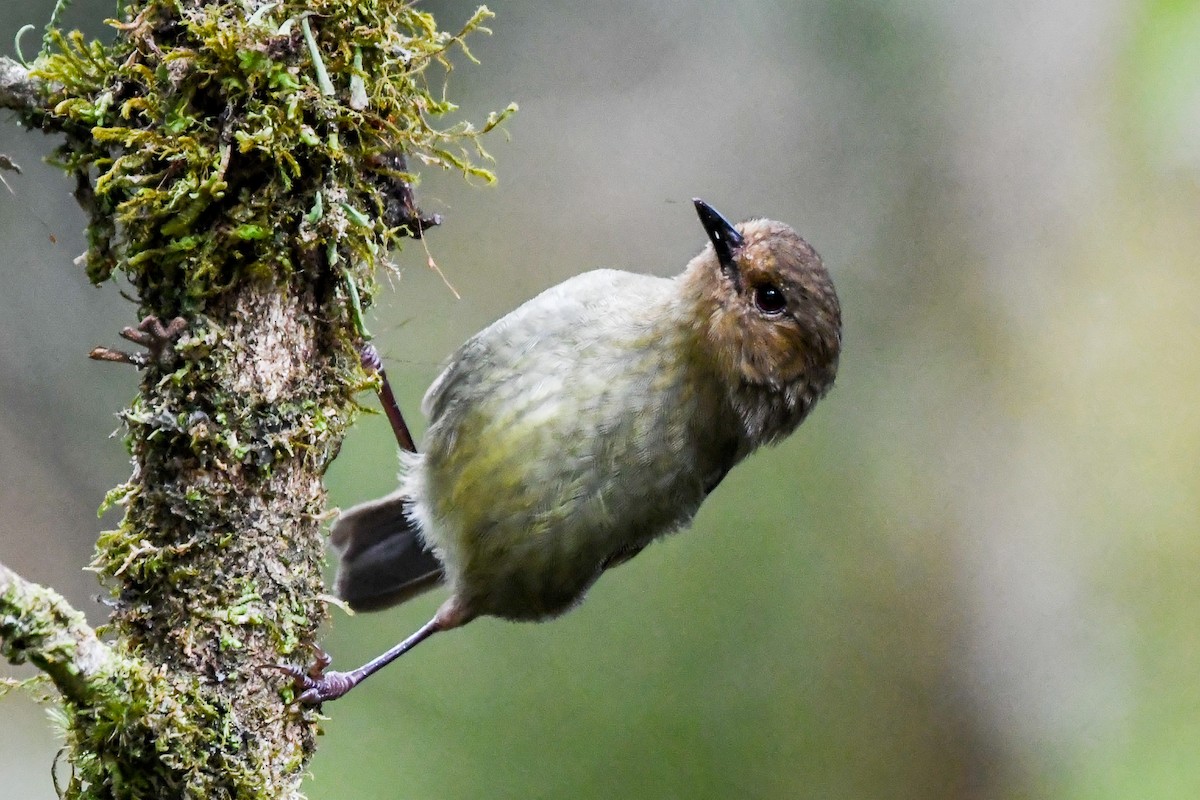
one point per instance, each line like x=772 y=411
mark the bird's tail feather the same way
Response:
x=383 y=560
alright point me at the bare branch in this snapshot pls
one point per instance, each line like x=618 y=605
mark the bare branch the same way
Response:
x=39 y=626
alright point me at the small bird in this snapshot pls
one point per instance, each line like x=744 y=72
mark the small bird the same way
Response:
x=595 y=418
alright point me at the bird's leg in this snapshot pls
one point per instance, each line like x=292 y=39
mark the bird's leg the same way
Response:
x=314 y=685
x=150 y=333
x=371 y=361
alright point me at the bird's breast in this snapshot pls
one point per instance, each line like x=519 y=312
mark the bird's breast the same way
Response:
x=564 y=452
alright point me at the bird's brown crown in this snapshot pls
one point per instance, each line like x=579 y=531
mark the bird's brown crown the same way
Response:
x=770 y=318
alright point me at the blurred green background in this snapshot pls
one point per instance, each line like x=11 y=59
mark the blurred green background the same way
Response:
x=972 y=574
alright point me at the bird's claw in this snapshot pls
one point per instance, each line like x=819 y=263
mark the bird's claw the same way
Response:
x=313 y=686
x=321 y=660
x=370 y=358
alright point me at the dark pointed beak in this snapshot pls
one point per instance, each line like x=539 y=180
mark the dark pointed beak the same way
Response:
x=725 y=238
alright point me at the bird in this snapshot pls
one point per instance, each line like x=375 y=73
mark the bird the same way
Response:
x=592 y=420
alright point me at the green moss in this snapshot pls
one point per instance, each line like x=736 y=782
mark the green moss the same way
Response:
x=147 y=734
x=210 y=135
x=132 y=729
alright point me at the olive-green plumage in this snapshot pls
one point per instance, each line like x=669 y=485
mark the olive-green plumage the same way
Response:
x=579 y=427
x=569 y=434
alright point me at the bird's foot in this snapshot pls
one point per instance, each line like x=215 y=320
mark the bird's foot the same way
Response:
x=368 y=354
x=313 y=686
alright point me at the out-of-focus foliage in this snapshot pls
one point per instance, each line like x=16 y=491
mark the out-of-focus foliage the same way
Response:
x=971 y=573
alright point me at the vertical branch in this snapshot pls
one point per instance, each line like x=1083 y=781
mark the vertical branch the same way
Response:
x=245 y=173
x=218 y=560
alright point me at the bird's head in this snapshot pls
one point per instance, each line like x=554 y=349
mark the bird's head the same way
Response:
x=767 y=312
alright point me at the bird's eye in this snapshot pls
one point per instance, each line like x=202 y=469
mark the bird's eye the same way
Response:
x=769 y=298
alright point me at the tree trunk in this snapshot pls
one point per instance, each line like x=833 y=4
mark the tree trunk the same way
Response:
x=246 y=171
x=219 y=555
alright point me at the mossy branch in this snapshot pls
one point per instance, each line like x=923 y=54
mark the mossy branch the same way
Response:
x=38 y=626
x=247 y=173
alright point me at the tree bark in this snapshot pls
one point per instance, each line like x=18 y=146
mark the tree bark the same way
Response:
x=219 y=555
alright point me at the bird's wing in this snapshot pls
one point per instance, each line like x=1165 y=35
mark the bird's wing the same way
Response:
x=454 y=376
x=568 y=316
